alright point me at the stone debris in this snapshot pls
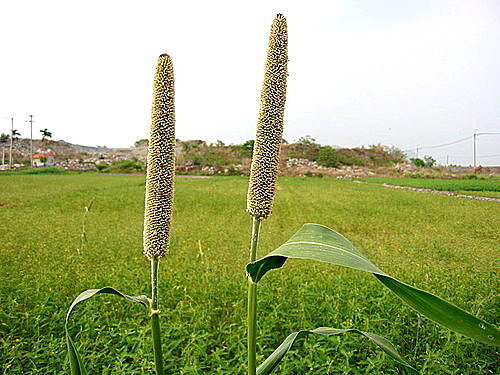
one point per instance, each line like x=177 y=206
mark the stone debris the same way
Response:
x=448 y=193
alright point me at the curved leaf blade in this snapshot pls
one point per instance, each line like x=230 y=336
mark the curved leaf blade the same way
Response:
x=314 y=242
x=76 y=364
x=442 y=312
x=317 y=242
x=275 y=358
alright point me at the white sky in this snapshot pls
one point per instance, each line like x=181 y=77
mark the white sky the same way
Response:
x=396 y=72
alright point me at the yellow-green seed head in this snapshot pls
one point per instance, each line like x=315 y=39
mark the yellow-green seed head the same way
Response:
x=161 y=163
x=265 y=160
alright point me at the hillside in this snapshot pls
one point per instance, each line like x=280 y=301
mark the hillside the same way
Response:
x=198 y=157
x=304 y=158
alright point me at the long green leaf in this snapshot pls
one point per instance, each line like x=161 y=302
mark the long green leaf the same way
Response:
x=275 y=358
x=317 y=242
x=77 y=367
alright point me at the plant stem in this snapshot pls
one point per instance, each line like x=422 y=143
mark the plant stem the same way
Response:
x=252 y=302
x=155 y=317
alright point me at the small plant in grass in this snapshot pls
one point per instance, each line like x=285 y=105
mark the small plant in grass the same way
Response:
x=83 y=235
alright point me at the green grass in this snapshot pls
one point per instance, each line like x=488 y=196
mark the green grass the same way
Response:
x=489 y=187
x=442 y=244
x=39 y=170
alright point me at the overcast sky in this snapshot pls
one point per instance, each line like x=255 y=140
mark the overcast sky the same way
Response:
x=396 y=72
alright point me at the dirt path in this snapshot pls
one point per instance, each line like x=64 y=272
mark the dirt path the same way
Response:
x=449 y=193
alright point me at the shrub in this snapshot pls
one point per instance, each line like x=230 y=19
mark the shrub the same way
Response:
x=102 y=167
x=247 y=148
x=327 y=157
x=141 y=143
x=233 y=171
x=429 y=161
x=418 y=162
x=307 y=141
x=43 y=170
x=415 y=175
x=124 y=166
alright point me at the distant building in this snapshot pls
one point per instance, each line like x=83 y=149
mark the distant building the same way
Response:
x=44 y=159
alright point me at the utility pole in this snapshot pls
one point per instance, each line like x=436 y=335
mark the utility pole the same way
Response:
x=474 y=154
x=31 y=139
x=11 y=141
x=418 y=147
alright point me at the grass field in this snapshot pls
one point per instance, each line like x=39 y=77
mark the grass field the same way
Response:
x=445 y=245
x=483 y=187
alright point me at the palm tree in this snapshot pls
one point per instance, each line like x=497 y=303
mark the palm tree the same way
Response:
x=45 y=134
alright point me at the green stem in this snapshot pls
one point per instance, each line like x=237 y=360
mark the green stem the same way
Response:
x=155 y=317
x=252 y=302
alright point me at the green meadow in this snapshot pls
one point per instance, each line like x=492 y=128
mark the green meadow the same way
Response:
x=446 y=245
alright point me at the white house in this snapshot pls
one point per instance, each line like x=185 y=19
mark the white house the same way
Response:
x=44 y=158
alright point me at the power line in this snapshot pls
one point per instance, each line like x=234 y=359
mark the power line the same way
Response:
x=418 y=147
x=450 y=143
x=441 y=145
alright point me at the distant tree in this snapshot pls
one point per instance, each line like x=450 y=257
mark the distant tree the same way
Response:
x=141 y=142
x=418 y=162
x=328 y=157
x=429 y=161
x=15 y=133
x=219 y=143
x=377 y=146
x=307 y=141
x=395 y=153
x=45 y=134
x=247 y=147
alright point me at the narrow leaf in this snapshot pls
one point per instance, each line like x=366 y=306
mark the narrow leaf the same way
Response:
x=77 y=367
x=317 y=242
x=275 y=358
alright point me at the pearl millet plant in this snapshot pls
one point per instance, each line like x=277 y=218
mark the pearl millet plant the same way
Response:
x=160 y=163
x=265 y=159
x=159 y=186
x=158 y=208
